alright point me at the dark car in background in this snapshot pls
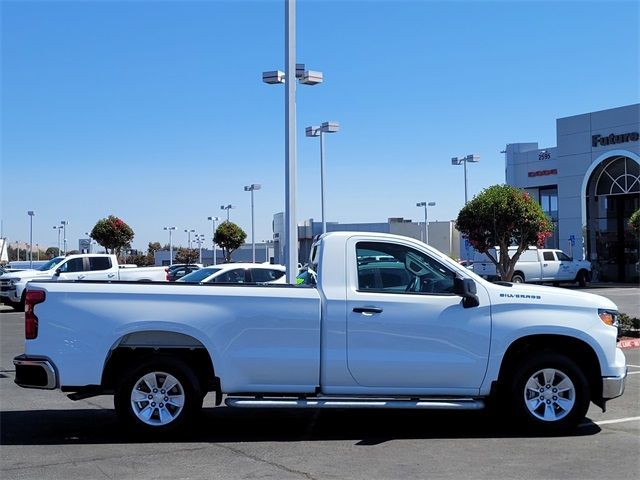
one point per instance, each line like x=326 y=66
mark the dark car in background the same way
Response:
x=179 y=270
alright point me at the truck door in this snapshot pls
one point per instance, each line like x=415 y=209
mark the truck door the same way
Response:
x=568 y=268
x=405 y=326
x=100 y=268
x=70 y=269
x=550 y=267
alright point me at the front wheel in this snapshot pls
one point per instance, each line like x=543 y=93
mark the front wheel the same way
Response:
x=162 y=394
x=550 y=393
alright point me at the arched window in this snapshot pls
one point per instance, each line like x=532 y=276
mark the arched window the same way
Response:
x=620 y=176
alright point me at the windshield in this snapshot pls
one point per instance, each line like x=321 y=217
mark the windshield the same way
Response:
x=199 y=275
x=50 y=264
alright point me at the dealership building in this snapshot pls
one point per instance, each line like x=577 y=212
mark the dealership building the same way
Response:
x=589 y=185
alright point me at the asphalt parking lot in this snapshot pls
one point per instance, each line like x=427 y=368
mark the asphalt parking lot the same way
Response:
x=45 y=435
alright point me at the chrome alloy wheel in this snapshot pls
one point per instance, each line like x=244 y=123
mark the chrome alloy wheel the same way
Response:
x=157 y=398
x=549 y=395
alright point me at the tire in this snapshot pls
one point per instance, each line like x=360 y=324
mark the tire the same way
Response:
x=517 y=278
x=581 y=278
x=19 y=306
x=549 y=393
x=145 y=407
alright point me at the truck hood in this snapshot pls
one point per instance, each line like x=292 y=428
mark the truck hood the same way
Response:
x=527 y=293
x=28 y=274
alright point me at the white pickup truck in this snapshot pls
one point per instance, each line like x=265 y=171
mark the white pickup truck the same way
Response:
x=388 y=323
x=537 y=265
x=91 y=266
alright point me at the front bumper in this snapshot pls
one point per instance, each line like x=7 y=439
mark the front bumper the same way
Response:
x=35 y=372
x=613 y=387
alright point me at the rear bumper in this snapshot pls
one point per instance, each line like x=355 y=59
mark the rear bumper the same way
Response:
x=613 y=387
x=35 y=372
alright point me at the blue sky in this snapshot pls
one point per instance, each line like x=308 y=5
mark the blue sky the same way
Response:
x=154 y=111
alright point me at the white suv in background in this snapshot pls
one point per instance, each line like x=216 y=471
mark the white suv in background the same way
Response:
x=237 y=273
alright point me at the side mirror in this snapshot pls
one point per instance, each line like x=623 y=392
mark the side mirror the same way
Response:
x=57 y=273
x=466 y=288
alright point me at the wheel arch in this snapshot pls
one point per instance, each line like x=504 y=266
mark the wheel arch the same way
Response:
x=135 y=347
x=576 y=349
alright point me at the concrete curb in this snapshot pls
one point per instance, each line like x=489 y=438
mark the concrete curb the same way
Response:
x=629 y=343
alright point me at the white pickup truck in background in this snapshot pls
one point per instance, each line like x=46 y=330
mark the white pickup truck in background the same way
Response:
x=86 y=266
x=537 y=265
x=382 y=321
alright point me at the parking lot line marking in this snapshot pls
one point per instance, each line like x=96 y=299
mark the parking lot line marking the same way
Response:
x=618 y=420
x=632 y=373
x=629 y=365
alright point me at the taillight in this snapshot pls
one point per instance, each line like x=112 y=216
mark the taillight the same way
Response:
x=32 y=298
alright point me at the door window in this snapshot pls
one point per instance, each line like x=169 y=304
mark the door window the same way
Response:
x=393 y=268
x=548 y=257
x=99 y=263
x=262 y=275
x=232 y=276
x=73 y=265
x=563 y=257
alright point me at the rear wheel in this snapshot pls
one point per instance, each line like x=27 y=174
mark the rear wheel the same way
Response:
x=582 y=278
x=517 y=278
x=162 y=394
x=549 y=393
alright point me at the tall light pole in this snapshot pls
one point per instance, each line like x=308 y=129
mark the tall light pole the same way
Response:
x=213 y=238
x=17 y=251
x=465 y=160
x=64 y=224
x=189 y=232
x=326 y=127
x=307 y=77
x=227 y=208
x=170 y=229
x=426 y=225
x=31 y=214
x=199 y=239
x=58 y=228
x=251 y=188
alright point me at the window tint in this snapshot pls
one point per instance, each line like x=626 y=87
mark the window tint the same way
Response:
x=73 y=265
x=260 y=275
x=563 y=257
x=199 y=275
x=232 y=276
x=548 y=256
x=392 y=268
x=99 y=263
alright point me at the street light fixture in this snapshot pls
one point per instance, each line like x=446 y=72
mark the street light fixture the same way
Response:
x=426 y=225
x=465 y=160
x=213 y=238
x=251 y=188
x=292 y=72
x=31 y=214
x=199 y=238
x=189 y=232
x=58 y=228
x=64 y=224
x=314 y=131
x=170 y=229
x=227 y=208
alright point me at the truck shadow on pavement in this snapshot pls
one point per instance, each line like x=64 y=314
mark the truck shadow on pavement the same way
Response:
x=227 y=425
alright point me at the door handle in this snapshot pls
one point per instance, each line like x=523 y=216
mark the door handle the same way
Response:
x=80 y=277
x=111 y=275
x=367 y=310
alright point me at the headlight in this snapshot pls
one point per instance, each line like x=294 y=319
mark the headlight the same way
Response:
x=608 y=317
